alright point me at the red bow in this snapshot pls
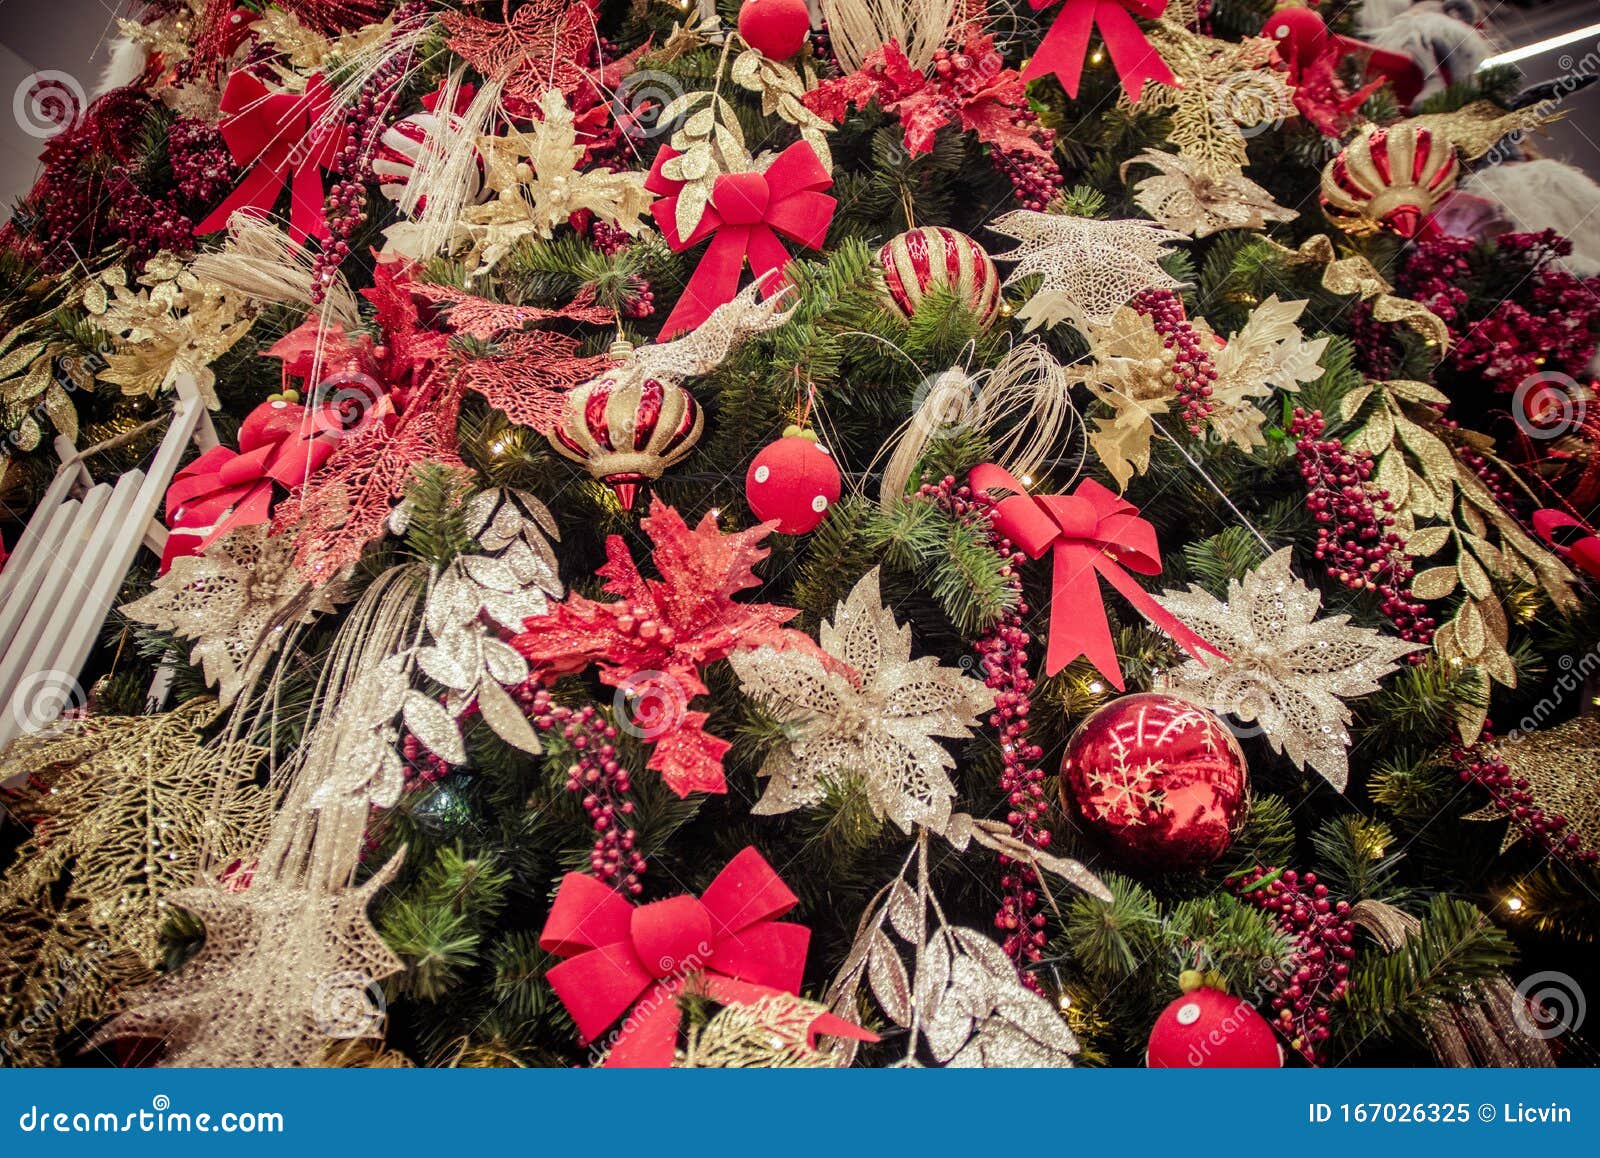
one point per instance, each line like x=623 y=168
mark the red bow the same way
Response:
x=747 y=212
x=1581 y=551
x=1064 y=46
x=276 y=134
x=279 y=442
x=728 y=939
x=1090 y=532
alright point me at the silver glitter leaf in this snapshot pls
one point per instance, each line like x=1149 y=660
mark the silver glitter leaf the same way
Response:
x=886 y=973
x=434 y=727
x=905 y=911
x=502 y=714
x=503 y=662
x=447 y=668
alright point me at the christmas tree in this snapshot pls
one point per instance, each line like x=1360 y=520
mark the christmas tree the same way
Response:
x=955 y=533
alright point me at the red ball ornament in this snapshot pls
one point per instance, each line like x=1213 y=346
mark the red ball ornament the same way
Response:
x=1207 y=1029
x=794 y=481
x=934 y=258
x=1162 y=780
x=777 y=29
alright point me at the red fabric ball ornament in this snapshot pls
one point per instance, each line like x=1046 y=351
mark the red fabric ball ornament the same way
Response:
x=794 y=481
x=1208 y=1029
x=934 y=258
x=1160 y=779
x=775 y=28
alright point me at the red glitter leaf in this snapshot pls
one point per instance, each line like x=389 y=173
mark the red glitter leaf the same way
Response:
x=670 y=627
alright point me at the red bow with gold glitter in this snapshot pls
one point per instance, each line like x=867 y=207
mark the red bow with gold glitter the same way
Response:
x=728 y=940
x=282 y=137
x=1135 y=58
x=745 y=217
x=1091 y=534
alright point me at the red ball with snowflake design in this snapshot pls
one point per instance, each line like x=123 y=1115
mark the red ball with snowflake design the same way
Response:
x=1209 y=1029
x=1161 y=780
x=794 y=481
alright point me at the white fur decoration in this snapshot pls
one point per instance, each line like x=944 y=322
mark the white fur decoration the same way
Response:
x=1445 y=49
x=1547 y=194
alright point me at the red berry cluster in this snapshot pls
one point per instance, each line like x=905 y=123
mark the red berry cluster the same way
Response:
x=966 y=76
x=1317 y=974
x=1552 y=324
x=1003 y=655
x=202 y=167
x=1194 y=371
x=601 y=778
x=1509 y=794
x=638 y=299
x=1354 y=536
x=345 y=209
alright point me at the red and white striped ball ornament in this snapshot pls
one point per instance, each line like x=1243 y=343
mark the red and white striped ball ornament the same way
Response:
x=935 y=258
x=794 y=481
x=400 y=147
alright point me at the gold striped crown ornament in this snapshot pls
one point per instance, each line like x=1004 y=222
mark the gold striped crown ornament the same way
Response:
x=1389 y=179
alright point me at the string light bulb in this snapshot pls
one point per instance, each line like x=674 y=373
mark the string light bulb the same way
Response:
x=1514 y=903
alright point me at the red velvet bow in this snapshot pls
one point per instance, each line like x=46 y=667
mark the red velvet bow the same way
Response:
x=746 y=214
x=1582 y=551
x=1135 y=58
x=1090 y=532
x=728 y=940
x=278 y=134
x=279 y=442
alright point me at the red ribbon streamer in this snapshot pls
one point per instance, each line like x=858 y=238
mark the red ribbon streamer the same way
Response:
x=1089 y=533
x=728 y=941
x=1582 y=552
x=279 y=442
x=744 y=218
x=1064 y=46
x=279 y=135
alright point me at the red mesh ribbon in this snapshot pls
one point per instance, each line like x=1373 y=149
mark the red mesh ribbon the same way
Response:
x=279 y=442
x=1064 y=46
x=744 y=219
x=283 y=137
x=728 y=940
x=1091 y=535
